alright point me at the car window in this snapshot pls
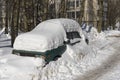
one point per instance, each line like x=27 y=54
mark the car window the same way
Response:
x=72 y=35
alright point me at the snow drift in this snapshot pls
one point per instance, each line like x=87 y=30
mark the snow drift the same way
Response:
x=93 y=62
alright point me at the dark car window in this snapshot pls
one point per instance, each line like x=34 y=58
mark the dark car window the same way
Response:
x=72 y=35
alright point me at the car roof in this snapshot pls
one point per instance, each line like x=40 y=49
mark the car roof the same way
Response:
x=69 y=25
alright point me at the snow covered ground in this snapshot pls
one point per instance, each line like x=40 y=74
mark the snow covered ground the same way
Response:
x=99 y=60
x=14 y=67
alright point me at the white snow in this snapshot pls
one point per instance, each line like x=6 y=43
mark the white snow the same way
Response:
x=118 y=26
x=47 y=35
x=99 y=60
x=18 y=68
x=112 y=33
x=2 y=31
x=14 y=67
x=92 y=62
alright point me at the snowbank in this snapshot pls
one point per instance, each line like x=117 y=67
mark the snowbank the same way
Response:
x=112 y=33
x=91 y=33
x=90 y=62
x=2 y=31
x=65 y=68
x=47 y=35
x=14 y=67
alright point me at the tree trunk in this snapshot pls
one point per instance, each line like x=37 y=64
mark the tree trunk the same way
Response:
x=15 y=21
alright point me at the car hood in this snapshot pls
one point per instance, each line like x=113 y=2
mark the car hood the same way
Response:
x=35 y=42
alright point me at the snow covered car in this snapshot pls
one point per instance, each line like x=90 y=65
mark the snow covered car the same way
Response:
x=48 y=39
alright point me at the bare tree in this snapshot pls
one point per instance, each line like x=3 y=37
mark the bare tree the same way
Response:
x=2 y=13
x=113 y=12
x=62 y=9
x=15 y=20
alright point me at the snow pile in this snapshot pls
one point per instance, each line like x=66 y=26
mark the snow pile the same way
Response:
x=92 y=62
x=66 y=67
x=47 y=35
x=90 y=33
x=93 y=34
x=112 y=33
x=14 y=67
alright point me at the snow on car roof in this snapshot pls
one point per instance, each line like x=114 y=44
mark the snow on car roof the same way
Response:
x=68 y=24
x=47 y=35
